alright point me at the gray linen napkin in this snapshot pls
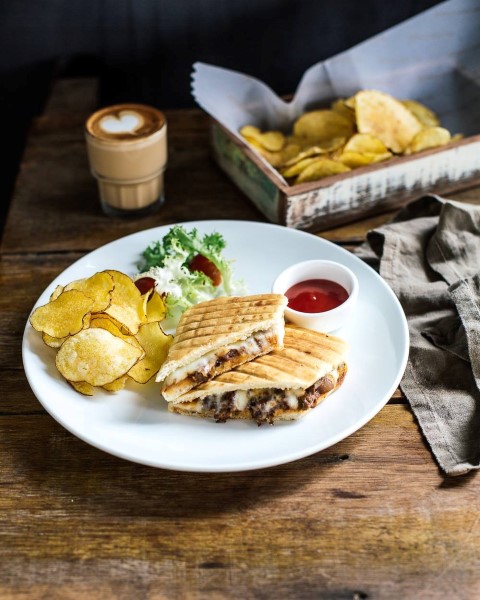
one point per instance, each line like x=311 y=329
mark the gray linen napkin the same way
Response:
x=430 y=256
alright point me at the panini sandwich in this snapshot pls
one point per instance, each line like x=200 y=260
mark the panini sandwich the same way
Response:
x=215 y=336
x=282 y=385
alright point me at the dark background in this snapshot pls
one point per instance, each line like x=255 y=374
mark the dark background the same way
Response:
x=143 y=50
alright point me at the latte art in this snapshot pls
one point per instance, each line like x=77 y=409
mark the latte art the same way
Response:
x=125 y=122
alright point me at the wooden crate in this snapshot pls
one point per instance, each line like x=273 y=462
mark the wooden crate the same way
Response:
x=343 y=198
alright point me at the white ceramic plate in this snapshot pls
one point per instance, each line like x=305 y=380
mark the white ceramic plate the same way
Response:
x=135 y=424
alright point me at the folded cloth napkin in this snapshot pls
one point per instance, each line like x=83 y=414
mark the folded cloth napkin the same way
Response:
x=430 y=256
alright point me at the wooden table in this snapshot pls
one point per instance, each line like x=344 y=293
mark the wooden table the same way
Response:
x=371 y=517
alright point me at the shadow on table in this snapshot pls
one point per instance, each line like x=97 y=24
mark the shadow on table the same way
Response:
x=58 y=465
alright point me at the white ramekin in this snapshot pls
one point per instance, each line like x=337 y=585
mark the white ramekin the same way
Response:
x=319 y=269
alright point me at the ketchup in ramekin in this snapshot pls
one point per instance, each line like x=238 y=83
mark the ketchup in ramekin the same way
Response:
x=321 y=294
x=316 y=295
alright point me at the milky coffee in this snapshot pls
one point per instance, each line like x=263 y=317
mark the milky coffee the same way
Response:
x=127 y=151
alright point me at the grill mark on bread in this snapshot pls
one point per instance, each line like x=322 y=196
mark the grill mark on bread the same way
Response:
x=217 y=324
x=225 y=361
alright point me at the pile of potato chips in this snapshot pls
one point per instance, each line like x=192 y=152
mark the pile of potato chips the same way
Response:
x=105 y=330
x=367 y=128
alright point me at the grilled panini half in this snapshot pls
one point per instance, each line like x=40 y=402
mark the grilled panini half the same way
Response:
x=282 y=385
x=215 y=336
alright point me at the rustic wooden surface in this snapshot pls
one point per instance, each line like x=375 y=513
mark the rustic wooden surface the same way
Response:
x=371 y=517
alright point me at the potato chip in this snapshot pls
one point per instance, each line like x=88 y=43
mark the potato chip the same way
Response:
x=385 y=118
x=321 y=168
x=56 y=292
x=341 y=107
x=365 y=143
x=63 y=316
x=322 y=125
x=272 y=141
x=83 y=387
x=156 y=309
x=250 y=131
x=277 y=159
x=253 y=142
x=287 y=153
x=380 y=157
x=350 y=102
x=117 y=385
x=95 y=356
x=273 y=158
x=53 y=342
x=127 y=303
x=322 y=148
x=355 y=160
x=431 y=137
x=103 y=322
x=156 y=344
x=426 y=116
x=98 y=287
x=298 y=167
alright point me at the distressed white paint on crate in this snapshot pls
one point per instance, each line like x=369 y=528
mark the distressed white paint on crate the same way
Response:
x=367 y=190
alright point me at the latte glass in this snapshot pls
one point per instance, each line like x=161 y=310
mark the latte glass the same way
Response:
x=127 y=152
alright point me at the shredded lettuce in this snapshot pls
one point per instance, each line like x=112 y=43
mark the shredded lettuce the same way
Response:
x=167 y=262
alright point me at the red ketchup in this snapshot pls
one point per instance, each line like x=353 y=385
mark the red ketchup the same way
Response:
x=316 y=295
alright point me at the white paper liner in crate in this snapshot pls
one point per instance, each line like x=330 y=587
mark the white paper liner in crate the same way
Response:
x=433 y=58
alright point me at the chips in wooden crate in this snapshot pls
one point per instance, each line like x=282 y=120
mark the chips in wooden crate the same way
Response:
x=386 y=118
x=367 y=128
x=431 y=137
x=426 y=116
x=321 y=168
x=322 y=125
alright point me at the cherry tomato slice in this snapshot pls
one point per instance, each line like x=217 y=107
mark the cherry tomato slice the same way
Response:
x=145 y=284
x=206 y=266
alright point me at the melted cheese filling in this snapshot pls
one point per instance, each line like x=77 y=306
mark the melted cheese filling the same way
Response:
x=266 y=399
x=249 y=347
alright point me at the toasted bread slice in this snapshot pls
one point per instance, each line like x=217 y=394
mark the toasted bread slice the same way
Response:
x=215 y=336
x=282 y=385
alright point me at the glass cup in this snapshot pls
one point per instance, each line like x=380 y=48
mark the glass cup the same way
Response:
x=127 y=152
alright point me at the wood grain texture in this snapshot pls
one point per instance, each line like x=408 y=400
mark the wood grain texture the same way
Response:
x=82 y=521
x=371 y=517
x=22 y=280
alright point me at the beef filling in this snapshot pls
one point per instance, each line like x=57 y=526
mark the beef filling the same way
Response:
x=223 y=406
x=198 y=377
x=322 y=386
x=233 y=353
x=263 y=404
